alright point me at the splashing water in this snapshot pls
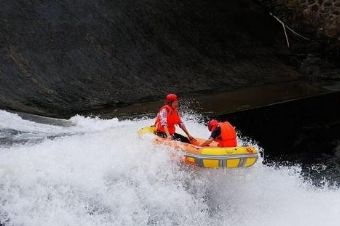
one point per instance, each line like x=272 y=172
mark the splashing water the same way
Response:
x=98 y=172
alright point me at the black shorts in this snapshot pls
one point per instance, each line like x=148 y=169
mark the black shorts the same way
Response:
x=176 y=136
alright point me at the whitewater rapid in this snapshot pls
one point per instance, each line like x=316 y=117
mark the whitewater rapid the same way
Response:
x=89 y=171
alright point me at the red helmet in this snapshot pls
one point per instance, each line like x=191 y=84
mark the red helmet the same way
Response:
x=212 y=124
x=171 y=98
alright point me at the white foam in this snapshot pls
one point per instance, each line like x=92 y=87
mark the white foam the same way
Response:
x=106 y=175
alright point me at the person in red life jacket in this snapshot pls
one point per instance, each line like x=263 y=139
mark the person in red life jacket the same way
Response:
x=167 y=118
x=221 y=132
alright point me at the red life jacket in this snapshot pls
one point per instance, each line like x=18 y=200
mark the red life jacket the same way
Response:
x=172 y=119
x=228 y=135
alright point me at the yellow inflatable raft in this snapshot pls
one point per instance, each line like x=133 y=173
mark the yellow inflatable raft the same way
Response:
x=211 y=156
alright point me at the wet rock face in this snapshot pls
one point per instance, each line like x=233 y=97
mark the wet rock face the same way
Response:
x=62 y=57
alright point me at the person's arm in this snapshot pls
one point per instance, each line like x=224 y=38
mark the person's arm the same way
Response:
x=182 y=126
x=207 y=142
x=214 y=134
x=166 y=130
x=164 y=123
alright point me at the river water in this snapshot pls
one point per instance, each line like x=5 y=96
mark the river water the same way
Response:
x=89 y=171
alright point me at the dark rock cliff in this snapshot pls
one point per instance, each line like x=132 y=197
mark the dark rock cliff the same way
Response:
x=62 y=57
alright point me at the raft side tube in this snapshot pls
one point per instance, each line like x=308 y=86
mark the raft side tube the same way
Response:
x=218 y=161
